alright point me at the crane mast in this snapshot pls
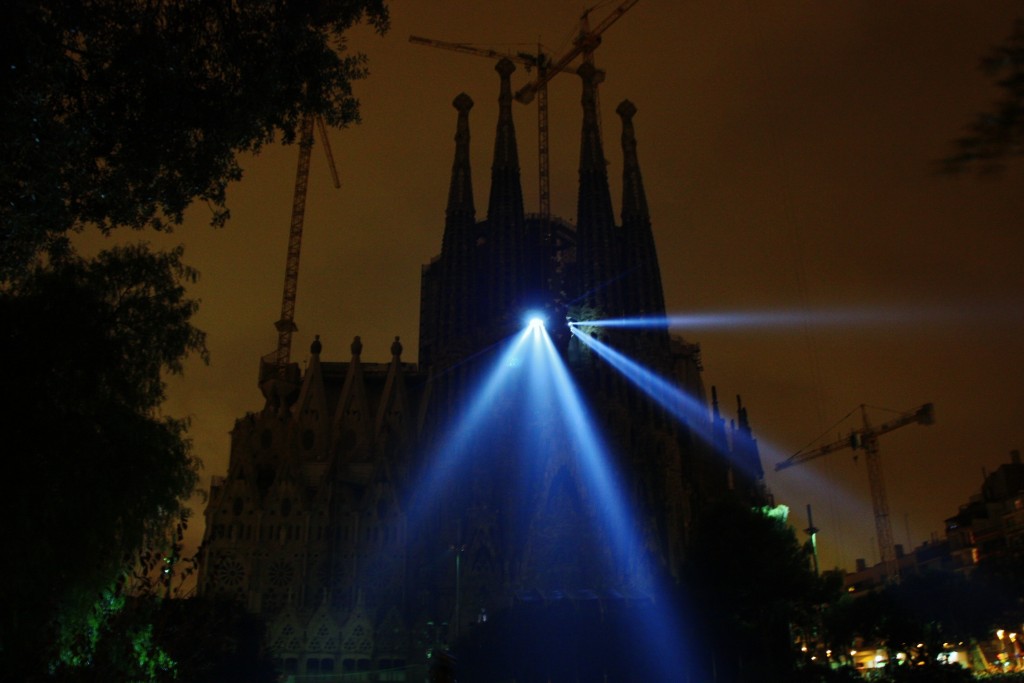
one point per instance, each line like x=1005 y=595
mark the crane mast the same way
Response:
x=866 y=439
x=541 y=62
x=585 y=43
x=286 y=324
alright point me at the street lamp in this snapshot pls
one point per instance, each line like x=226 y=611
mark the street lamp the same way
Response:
x=458 y=549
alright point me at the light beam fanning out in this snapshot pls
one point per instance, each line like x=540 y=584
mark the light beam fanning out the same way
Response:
x=528 y=423
x=783 y=319
x=662 y=634
x=692 y=412
x=677 y=402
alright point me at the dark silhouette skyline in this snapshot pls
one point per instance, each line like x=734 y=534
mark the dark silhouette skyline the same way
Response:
x=787 y=155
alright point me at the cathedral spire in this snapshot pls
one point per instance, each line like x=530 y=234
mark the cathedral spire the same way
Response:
x=460 y=193
x=597 y=251
x=642 y=279
x=634 y=201
x=505 y=209
x=718 y=436
x=456 y=273
x=745 y=449
x=506 y=201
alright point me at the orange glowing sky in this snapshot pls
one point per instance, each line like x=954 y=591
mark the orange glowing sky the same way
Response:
x=786 y=148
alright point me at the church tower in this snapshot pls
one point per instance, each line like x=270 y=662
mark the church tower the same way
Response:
x=365 y=532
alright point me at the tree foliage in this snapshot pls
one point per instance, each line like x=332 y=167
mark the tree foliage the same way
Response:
x=122 y=113
x=145 y=638
x=997 y=135
x=751 y=584
x=93 y=468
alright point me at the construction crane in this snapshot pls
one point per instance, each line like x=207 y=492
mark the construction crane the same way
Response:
x=541 y=62
x=286 y=325
x=585 y=43
x=866 y=439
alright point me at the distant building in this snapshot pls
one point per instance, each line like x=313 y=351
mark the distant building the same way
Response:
x=989 y=527
x=315 y=525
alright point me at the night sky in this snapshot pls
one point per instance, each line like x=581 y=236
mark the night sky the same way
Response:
x=788 y=154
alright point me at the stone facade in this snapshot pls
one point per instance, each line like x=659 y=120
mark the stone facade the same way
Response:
x=319 y=525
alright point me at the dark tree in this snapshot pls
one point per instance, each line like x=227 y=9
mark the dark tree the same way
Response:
x=997 y=136
x=92 y=468
x=919 y=616
x=751 y=584
x=151 y=639
x=123 y=112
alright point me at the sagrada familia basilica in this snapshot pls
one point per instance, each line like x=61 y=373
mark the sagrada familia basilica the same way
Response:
x=321 y=524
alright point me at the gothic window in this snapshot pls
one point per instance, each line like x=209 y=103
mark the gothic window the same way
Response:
x=237 y=506
x=308 y=439
x=320 y=639
x=327 y=666
x=286 y=507
x=231 y=571
x=228 y=574
x=266 y=439
x=281 y=573
x=358 y=640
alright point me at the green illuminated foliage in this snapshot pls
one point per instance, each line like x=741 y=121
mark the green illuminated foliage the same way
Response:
x=148 y=640
x=121 y=114
x=93 y=469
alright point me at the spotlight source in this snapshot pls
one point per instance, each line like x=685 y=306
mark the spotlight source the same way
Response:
x=535 y=321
